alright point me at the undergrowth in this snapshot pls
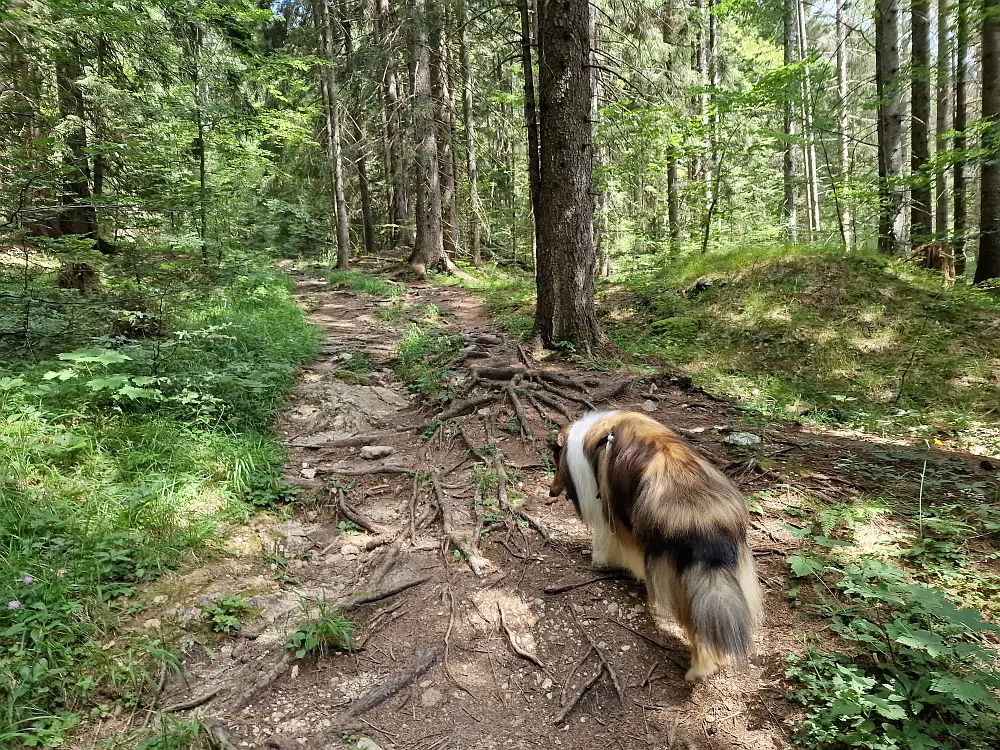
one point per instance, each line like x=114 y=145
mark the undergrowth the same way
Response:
x=358 y=281
x=424 y=358
x=918 y=670
x=120 y=456
x=325 y=630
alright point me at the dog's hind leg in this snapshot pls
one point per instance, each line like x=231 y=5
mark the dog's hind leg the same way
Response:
x=609 y=550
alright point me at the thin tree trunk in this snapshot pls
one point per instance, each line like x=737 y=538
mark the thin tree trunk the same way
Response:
x=890 y=127
x=844 y=176
x=961 y=122
x=429 y=249
x=530 y=118
x=566 y=254
x=988 y=263
x=809 y=147
x=465 y=60
x=442 y=97
x=673 y=201
x=788 y=164
x=601 y=223
x=357 y=135
x=704 y=99
x=941 y=126
x=920 y=106
x=398 y=213
x=324 y=24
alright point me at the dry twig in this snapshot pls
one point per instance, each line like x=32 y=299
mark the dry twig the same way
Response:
x=355 y=516
x=524 y=654
x=474 y=560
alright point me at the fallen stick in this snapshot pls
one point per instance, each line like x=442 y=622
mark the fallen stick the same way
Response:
x=600 y=654
x=561 y=716
x=519 y=411
x=355 y=516
x=523 y=653
x=385 y=593
x=418 y=665
x=573 y=671
x=477 y=512
x=580 y=584
x=348 y=471
x=354 y=441
x=475 y=562
x=193 y=702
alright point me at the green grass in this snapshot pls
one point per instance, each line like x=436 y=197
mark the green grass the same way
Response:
x=327 y=630
x=120 y=458
x=358 y=281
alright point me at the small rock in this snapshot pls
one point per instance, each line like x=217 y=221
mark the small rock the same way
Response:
x=638 y=609
x=161 y=599
x=295 y=671
x=345 y=356
x=649 y=405
x=364 y=743
x=546 y=683
x=152 y=624
x=613 y=608
x=626 y=647
x=350 y=549
x=431 y=698
x=426 y=684
x=742 y=439
x=372 y=452
x=308 y=473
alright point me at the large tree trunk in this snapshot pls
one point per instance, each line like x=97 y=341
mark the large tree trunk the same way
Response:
x=465 y=61
x=920 y=106
x=531 y=118
x=890 y=126
x=988 y=263
x=357 y=135
x=941 y=126
x=328 y=74
x=398 y=211
x=429 y=248
x=846 y=232
x=566 y=254
x=788 y=163
x=961 y=122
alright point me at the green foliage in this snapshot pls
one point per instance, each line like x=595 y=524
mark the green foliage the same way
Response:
x=357 y=281
x=104 y=487
x=919 y=672
x=329 y=629
x=225 y=612
x=820 y=335
x=423 y=359
x=172 y=734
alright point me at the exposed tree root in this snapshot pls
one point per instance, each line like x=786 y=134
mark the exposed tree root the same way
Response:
x=418 y=665
x=193 y=702
x=355 y=516
x=570 y=586
x=350 y=471
x=219 y=735
x=378 y=596
x=519 y=411
x=475 y=561
x=239 y=700
x=505 y=502
x=604 y=659
x=549 y=401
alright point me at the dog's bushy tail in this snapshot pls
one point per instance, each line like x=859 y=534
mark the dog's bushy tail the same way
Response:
x=720 y=614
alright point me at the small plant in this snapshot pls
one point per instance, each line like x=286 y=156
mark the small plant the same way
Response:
x=224 y=613
x=328 y=630
x=356 y=281
x=347 y=528
x=423 y=359
x=267 y=490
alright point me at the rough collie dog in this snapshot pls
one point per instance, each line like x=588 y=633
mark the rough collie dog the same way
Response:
x=658 y=509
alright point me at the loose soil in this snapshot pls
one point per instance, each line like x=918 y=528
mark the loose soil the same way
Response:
x=509 y=653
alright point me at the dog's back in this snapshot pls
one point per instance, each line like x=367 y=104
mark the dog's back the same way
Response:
x=668 y=506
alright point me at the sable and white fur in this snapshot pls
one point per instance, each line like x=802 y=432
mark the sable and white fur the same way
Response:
x=658 y=509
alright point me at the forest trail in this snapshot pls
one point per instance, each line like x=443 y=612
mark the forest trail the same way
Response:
x=478 y=692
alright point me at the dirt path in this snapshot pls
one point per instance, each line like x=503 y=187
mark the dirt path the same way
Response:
x=479 y=692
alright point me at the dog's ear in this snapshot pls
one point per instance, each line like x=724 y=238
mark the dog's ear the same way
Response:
x=561 y=438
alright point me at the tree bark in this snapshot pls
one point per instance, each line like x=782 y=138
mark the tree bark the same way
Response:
x=890 y=127
x=531 y=118
x=788 y=163
x=809 y=145
x=465 y=60
x=846 y=229
x=328 y=75
x=441 y=88
x=920 y=110
x=357 y=136
x=961 y=122
x=398 y=203
x=988 y=263
x=941 y=126
x=429 y=248
x=566 y=254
